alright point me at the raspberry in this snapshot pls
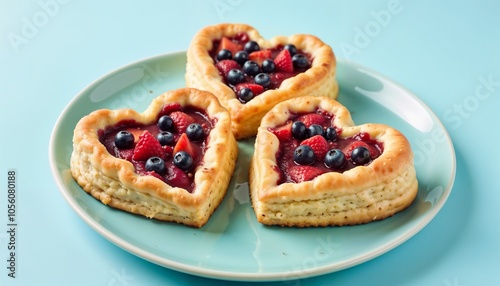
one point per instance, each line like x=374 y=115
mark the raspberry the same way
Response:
x=181 y=121
x=225 y=66
x=283 y=61
x=147 y=146
x=319 y=145
x=311 y=118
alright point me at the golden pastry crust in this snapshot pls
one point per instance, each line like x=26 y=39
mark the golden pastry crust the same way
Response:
x=360 y=195
x=201 y=73
x=114 y=181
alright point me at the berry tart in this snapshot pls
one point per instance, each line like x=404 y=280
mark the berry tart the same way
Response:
x=249 y=74
x=313 y=167
x=173 y=162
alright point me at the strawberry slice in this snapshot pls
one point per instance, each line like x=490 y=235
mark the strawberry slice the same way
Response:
x=225 y=66
x=256 y=88
x=283 y=61
x=319 y=145
x=259 y=56
x=147 y=146
x=311 y=118
x=183 y=144
x=181 y=120
x=299 y=174
x=374 y=153
x=227 y=44
x=284 y=132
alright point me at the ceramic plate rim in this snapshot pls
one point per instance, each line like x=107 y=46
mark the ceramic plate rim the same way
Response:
x=244 y=276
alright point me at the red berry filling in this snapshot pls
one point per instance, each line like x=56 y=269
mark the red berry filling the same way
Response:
x=310 y=146
x=169 y=149
x=250 y=70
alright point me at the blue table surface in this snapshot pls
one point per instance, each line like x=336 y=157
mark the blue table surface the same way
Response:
x=446 y=52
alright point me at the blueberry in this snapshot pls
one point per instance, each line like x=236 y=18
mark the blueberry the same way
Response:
x=291 y=48
x=299 y=130
x=360 y=155
x=165 y=123
x=300 y=61
x=235 y=76
x=331 y=134
x=245 y=94
x=241 y=57
x=251 y=68
x=165 y=138
x=157 y=165
x=263 y=79
x=314 y=129
x=268 y=66
x=335 y=159
x=303 y=155
x=224 y=55
x=251 y=46
x=183 y=160
x=195 y=132
x=124 y=140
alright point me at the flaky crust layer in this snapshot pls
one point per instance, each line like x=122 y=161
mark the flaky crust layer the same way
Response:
x=360 y=195
x=114 y=181
x=201 y=73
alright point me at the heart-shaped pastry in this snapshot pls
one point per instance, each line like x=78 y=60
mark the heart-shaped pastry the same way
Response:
x=249 y=74
x=173 y=162
x=313 y=167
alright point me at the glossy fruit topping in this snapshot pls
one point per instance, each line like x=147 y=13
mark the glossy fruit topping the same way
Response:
x=170 y=155
x=241 y=60
x=311 y=142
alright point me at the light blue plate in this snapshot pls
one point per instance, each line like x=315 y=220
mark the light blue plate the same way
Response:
x=233 y=245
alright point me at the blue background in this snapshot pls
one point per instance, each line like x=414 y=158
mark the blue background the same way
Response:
x=445 y=52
